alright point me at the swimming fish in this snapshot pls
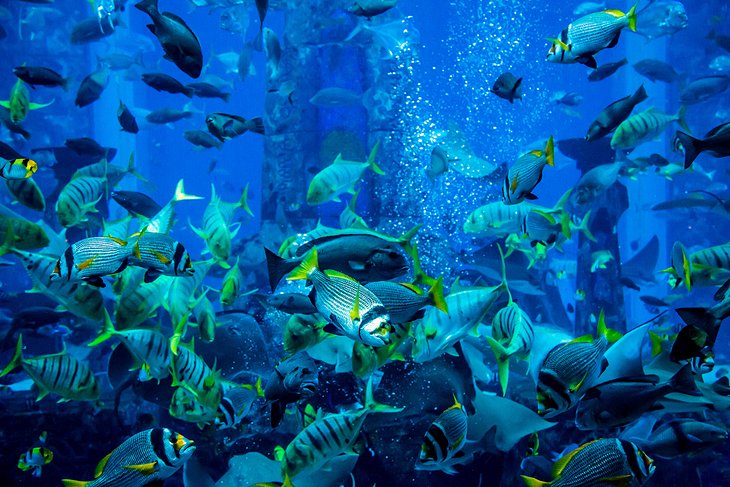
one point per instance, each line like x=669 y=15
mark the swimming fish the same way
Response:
x=614 y=114
x=91 y=87
x=41 y=76
x=716 y=143
x=340 y=177
x=161 y=255
x=19 y=103
x=92 y=258
x=165 y=82
x=508 y=87
x=444 y=439
x=605 y=70
x=126 y=120
x=644 y=126
x=526 y=173
x=404 y=302
x=293 y=379
x=17 y=168
x=224 y=126
x=79 y=197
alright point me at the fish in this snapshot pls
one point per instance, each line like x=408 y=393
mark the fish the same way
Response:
x=615 y=114
x=349 y=217
x=126 y=119
x=599 y=259
x=163 y=221
x=165 y=82
x=371 y=8
x=526 y=173
x=662 y=18
x=150 y=348
x=19 y=168
x=656 y=70
x=596 y=181
x=290 y=303
x=216 y=229
x=302 y=332
x=272 y=50
x=91 y=87
x=203 y=139
x=716 y=143
x=508 y=87
x=207 y=90
x=405 y=302
x=571 y=99
x=59 y=373
x=439 y=163
x=720 y=63
x=121 y=60
x=78 y=198
x=13 y=128
x=293 y=379
x=328 y=436
x=19 y=103
x=204 y=315
x=708 y=266
x=136 y=203
x=605 y=405
x=179 y=42
x=681 y=436
x=89 y=29
x=335 y=97
x=354 y=310
x=168 y=115
x=606 y=461
x=588 y=35
x=605 y=70
x=235 y=403
x=40 y=76
x=644 y=126
x=224 y=126
x=444 y=439
x=340 y=177
x=91 y=259
x=148 y=456
x=232 y=284
x=86 y=146
x=703 y=89
x=262 y=6
x=34 y=459
x=586 y=8
x=25 y=234
x=191 y=372
x=161 y=255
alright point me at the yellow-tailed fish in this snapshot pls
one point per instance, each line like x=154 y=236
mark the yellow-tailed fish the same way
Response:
x=232 y=283
x=526 y=173
x=161 y=255
x=444 y=439
x=78 y=198
x=19 y=168
x=163 y=221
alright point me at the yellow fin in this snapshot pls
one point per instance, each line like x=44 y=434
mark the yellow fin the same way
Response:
x=144 y=468
x=536 y=153
x=513 y=186
x=576 y=387
x=86 y=264
x=162 y=257
x=561 y=463
x=279 y=453
x=334 y=273
x=412 y=287
x=308 y=264
x=355 y=311
x=75 y=483
x=559 y=43
x=121 y=242
x=614 y=13
x=100 y=467
x=533 y=482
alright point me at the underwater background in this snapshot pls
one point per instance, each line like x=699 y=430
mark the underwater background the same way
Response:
x=155 y=205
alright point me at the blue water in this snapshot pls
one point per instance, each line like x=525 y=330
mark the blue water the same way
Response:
x=420 y=75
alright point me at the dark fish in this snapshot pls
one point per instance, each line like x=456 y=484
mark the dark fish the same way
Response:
x=27 y=193
x=652 y=301
x=89 y=29
x=86 y=146
x=702 y=89
x=627 y=282
x=207 y=90
x=136 y=203
x=165 y=82
x=13 y=127
x=292 y=303
x=31 y=318
x=202 y=139
x=508 y=87
x=716 y=143
x=293 y=379
x=262 y=6
x=41 y=76
x=721 y=40
x=606 y=70
x=126 y=119
x=224 y=126
x=653 y=70
x=167 y=115
x=615 y=113
x=92 y=87
x=683 y=436
x=180 y=44
x=371 y=8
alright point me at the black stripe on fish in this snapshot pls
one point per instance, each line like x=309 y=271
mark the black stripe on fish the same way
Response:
x=157 y=438
x=313 y=440
x=552 y=383
x=177 y=257
x=333 y=433
x=635 y=464
x=437 y=434
x=69 y=254
x=58 y=370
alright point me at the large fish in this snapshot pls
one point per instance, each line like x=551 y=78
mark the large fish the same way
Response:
x=78 y=198
x=715 y=143
x=643 y=126
x=180 y=44
x=90 y=259
x=161 y=255
x=405 y=302
x=702 y=89
x=293 y=379
x=19 y=103
x=615 y=113
x=526 y=174
x=340 y=177
x=444 y=439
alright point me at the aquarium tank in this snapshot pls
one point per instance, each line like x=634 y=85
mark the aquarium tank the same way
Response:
x=324 y=243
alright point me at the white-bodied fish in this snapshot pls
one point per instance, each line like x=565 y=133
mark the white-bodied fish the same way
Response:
x=526 y=174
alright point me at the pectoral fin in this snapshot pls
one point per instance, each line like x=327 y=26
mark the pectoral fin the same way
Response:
x=144 y=468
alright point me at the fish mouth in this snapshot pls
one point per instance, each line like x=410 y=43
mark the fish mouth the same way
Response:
x=189 y=446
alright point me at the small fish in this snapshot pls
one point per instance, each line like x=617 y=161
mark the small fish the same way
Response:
x=588 y=35
x=205 y=318
x=272 y=49
x=303 y=331
x=508 y=87
x=191 y=372
x=136 y=203
x=702 y=89
x=126 y=120
x=161 y=255
x=439 y=163
x=371 y=8
x=608 y=461
x=148 y=456
x=716 y=143
x=526 y=173
x=225 y=127
x=293 y=379
x=168 y=115
x=599 y=259
x=444 y=439
x=208 y=90
x=20 y=168
x=571 y=99
x=614 y=114
x=59 y=373
x=644 y=126
x=165 y=82
x=656 y=70
x=91 y=87
x=35 y=458
x=92 y=258
x=203 y=139
x=19 y=103
x=662 y=18
x=40 y=76
x=232 y=284
x=605 y=70
x=180 y=44
x=353 y=309
x=586 y=8
x=596 y=181
x=340 y=177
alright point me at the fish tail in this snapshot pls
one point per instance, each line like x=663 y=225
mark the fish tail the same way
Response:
x=690 y=147
x=17 y=359
x=640 y=95
x=243 y=202
x=632 y=17
x=656 y=344
x=257 y=126
x=373 y=406
x=371 y=160
x=180 y=194
x=502 y=356
x=178 y=333
x=560 y=205
x=550 y=151
x=277 y=267
x=680 y=118
x=533 y=482
x=106 y=333
x=306 y=267
x=436 y=295
x=584 y=227
x=133 y=171
x=419 y=277
x=684 y=383
x=147 y=6
x=602 y=330
x=405 y=240
x=9 y=243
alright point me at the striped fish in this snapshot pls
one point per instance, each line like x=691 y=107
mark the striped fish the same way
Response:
x=526 y=173
x=27 y=235
x=232 y=284
x=642 y=127
x=139 y=300
x=444 y=438
x=91 y=258
x=706 y=267
x=349 y=218
x=147 y=457
x=588 y=35
x=27 y=193
x=60 y=374
x=163 y=221
x=496 y=219
x=190 y=371
x=235 y=403
x=216 y=229
x=353 y=309
x=78 y=198
x=149 y=347
x=339 y=178
x=180 y=296
x=404 y=301
x=20 y=168
x=607 y=461
x=328 y=436
x=205 y=318
x=161 y=255
x=512 y=335
x=184 y=405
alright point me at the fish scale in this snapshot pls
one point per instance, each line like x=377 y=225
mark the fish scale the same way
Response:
x=401 y=302
x=77 y=197
x=596 y=29
x=571 y=361
x=108 y=256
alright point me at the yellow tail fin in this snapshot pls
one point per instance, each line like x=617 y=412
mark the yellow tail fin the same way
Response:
x=303 y=270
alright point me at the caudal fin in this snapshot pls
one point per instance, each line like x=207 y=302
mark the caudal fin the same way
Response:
x=419 y=277
x=632 y=17
x=106 y=333
x=277 y=267
x=373 y=406
x=689 y=146
x=243 y=202
x=684 y=383
x=305 y=267
x=371 y=160
x=640 y=95
x=17 y=359
x=436 y=295
x=550 y=151
x=500 y=353
x=180 y=193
